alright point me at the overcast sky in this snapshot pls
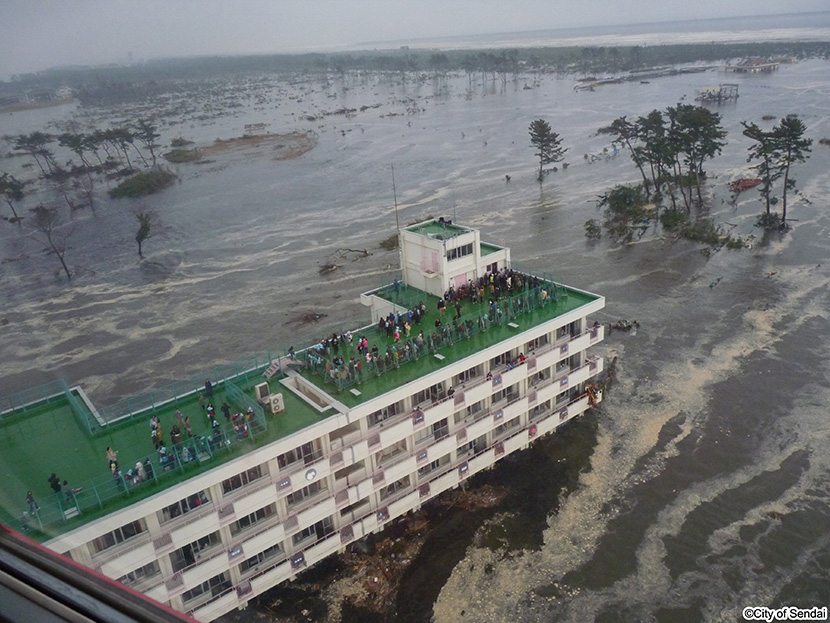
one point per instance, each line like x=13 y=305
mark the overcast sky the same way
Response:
x=37 y=34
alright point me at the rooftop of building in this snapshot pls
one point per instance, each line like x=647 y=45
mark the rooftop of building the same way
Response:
x=438 y=227
x=62 y=436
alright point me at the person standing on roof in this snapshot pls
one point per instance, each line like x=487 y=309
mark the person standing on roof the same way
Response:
x=112 y=458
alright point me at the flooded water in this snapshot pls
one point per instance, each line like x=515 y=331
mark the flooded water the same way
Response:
x=703 y=483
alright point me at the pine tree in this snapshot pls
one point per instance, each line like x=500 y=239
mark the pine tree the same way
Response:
x=547 y=143
x=792 y=148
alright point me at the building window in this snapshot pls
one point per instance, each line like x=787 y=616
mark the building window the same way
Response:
x=421 y=397
x=140 y=574
x=422 y=435
x=473 y=447
x=463 y=251
x=387 y=412
x=507 y=426
x=541 y=408
x=540 y=377
x=190 y=553
x=307 y=453
x=240 y=480
x=351 y=508
x=441 y=429
x=493 y=268
x=119 y=535
x=508 y=393
x=564 y=397
x=501 y=360
x=249 y=520
x=438 y=463
x=320 y=530
x=272 y=552
x=182 y=507
x=216 y=585
x=467 y=375
x=302 y=494
x=396 y=486
x=390 y=452
x=476 y=409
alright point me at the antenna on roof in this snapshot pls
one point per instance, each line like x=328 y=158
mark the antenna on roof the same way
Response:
x=395 y=195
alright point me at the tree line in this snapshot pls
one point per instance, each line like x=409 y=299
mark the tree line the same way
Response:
x=112 y=153
x=669 y=148
x=119 y=84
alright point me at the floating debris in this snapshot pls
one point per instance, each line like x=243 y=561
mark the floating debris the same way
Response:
x=744 y=184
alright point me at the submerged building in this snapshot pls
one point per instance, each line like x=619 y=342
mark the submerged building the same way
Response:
x=466 y=361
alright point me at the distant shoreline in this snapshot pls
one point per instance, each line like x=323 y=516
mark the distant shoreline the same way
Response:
x=35 y=105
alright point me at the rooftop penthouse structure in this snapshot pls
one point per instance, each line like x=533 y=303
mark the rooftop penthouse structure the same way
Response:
x=466 y=360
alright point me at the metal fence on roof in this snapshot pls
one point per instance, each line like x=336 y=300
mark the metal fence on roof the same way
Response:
x=130 y=482
x=148 y=402
x=322 y=361
x=32 y=398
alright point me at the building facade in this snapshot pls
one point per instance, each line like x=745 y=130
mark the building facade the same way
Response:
x=209 y=544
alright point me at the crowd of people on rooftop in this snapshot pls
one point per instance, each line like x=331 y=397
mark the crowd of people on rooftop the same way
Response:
x=345 y=359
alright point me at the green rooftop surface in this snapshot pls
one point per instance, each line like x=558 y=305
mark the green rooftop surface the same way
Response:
x=434 y=227
x=486 y=248
x=372 y=386
x=50 y=438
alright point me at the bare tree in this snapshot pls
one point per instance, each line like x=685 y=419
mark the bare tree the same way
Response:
x=45 y=221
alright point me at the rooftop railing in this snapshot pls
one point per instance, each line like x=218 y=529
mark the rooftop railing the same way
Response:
x=320 y=360
x=65 y=509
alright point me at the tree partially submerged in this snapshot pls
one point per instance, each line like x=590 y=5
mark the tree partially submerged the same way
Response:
x=627 y=214
x=627 y=134
x=12 y=191
x=147 y=228
x=35 y=144
x=763 y=153
x=794 y=148
x=146 y=133
x=672 y=146
x=775 y=152
x=45 y=221
x=696 y=135
x=548 y=145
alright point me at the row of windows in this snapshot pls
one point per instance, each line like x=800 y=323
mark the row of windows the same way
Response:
x=308 y=453
x=272 y=552
x=119 y=535
x=192 y=552
x=189 y=554
x=213 y=587
x=386 y=413
x=249 y=520
x=311 y=451
x=439 y=392
x=240 y=480
x=320 y=530
x=462 y=251
x=182 y=507
x=308 y=491
x=140 y=574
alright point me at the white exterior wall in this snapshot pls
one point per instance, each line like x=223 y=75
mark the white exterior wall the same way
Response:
x=534 y=404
